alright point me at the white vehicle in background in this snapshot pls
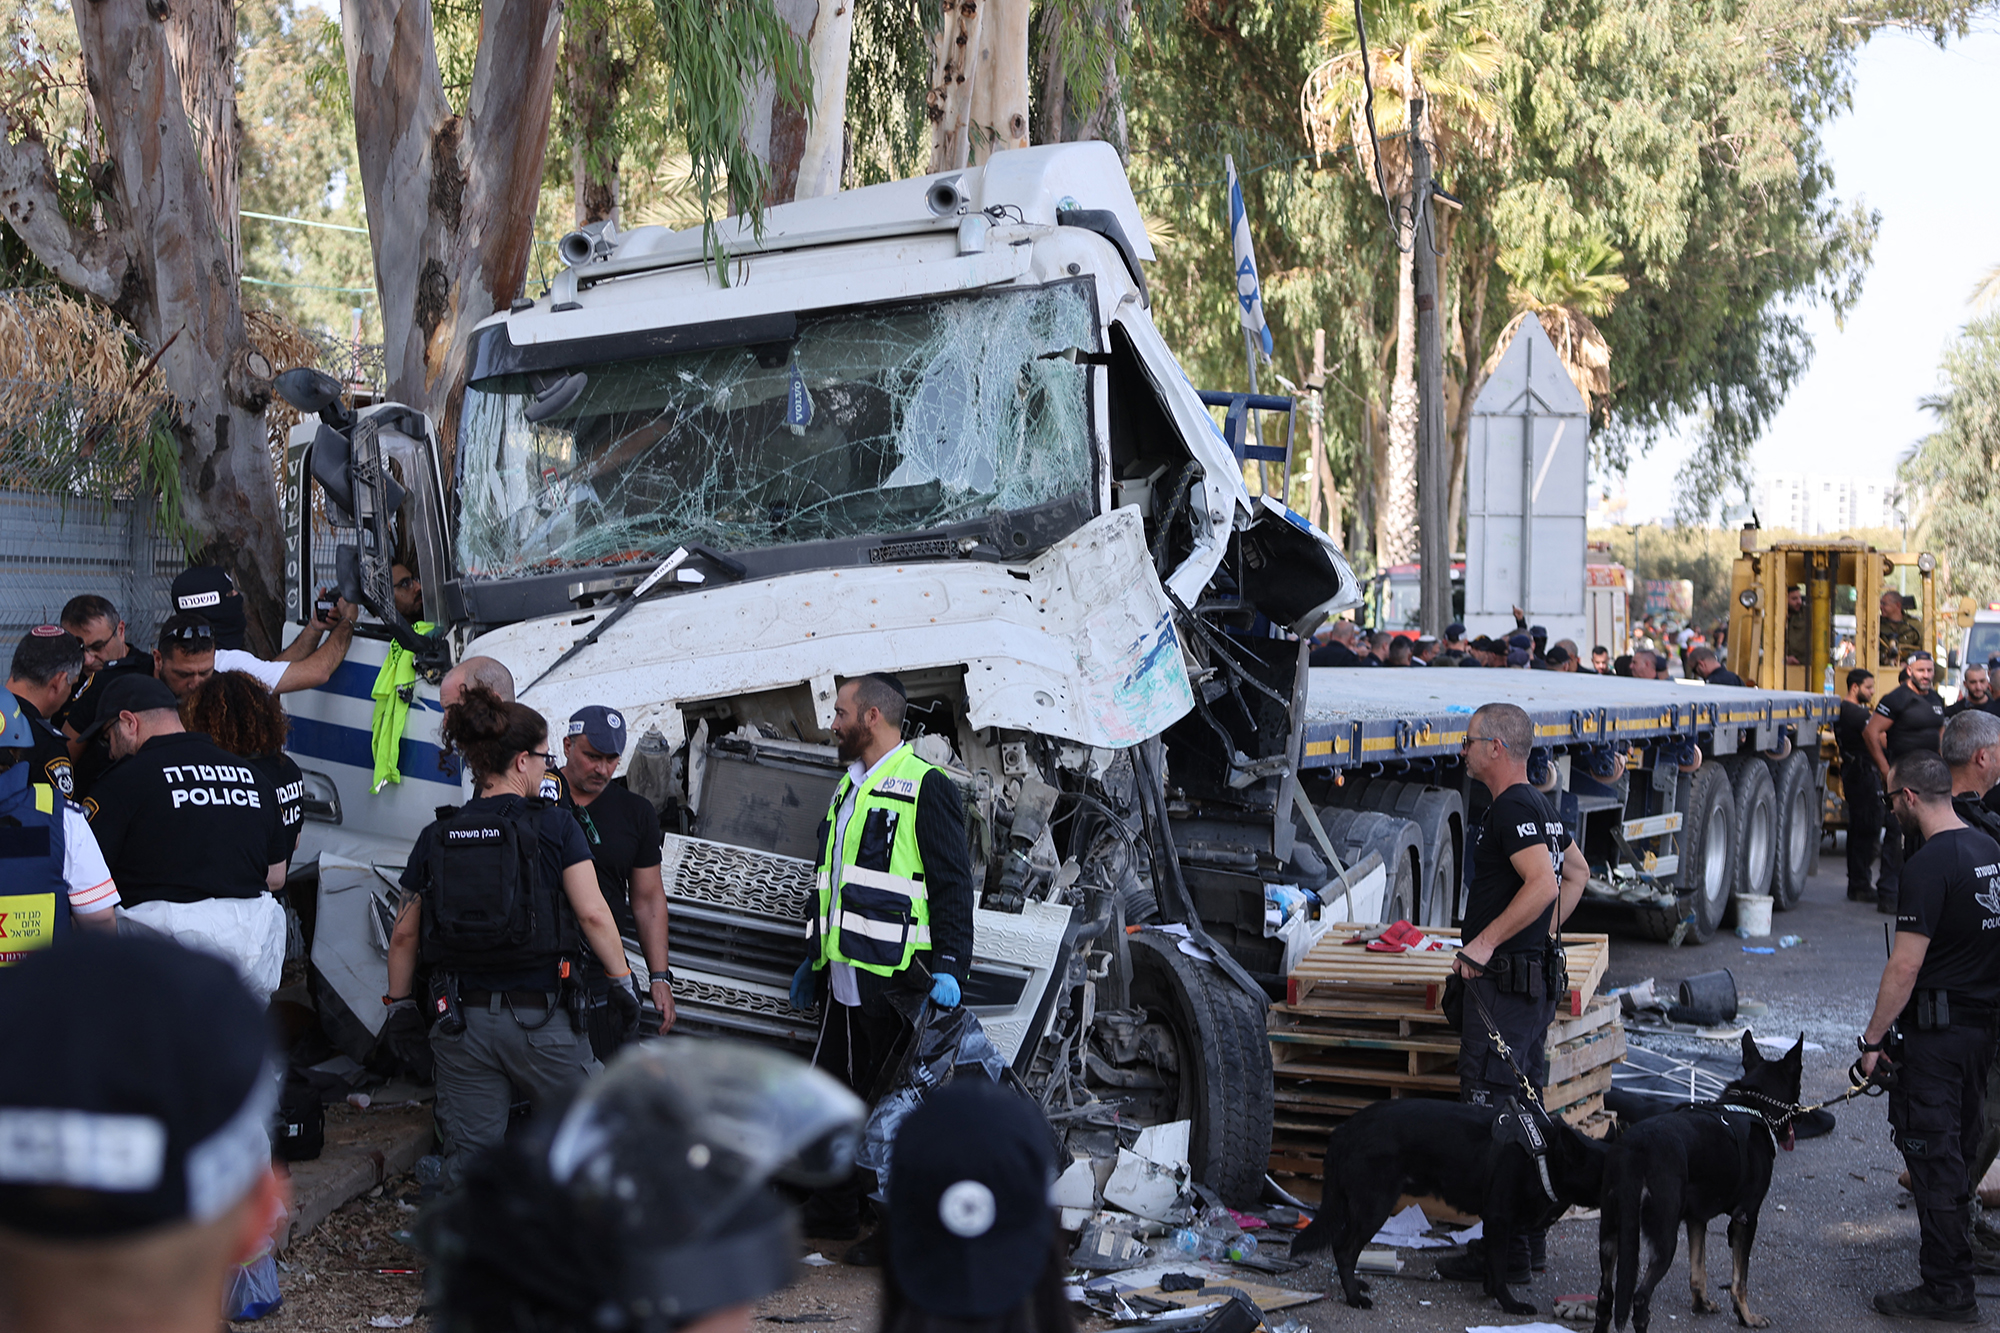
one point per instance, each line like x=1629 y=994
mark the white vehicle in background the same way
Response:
x=926 y=428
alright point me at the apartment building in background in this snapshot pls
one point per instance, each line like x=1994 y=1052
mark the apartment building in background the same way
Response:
x=1818 y=504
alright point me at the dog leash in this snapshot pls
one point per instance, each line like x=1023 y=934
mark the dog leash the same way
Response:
x=1538 y=1146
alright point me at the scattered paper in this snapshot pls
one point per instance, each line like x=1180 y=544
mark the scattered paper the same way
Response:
x=816 y=1260
x=1539 y=1327
x=1407 y=1231
x=1166 y=1144
x=1147 y=1188
x=1471 y=1233
x=392 y=1321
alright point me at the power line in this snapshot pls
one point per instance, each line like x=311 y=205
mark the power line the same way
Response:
x=308 y=286
x=302 y=222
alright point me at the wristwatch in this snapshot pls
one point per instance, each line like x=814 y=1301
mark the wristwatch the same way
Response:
x=659 y=974
x=1866 y=1048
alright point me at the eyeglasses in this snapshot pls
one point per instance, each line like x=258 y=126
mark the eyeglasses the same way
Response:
x=1470 y=740
x=1912 y=791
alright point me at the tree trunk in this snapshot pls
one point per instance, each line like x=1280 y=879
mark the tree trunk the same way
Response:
x=830 y=49
x=161 y=263
x=1063 y=117
x=593 y=76
x=948 y=104
x=1472 y=323
x=1000 y=81
x=451 y=198
x=777 y=132
x=1396 y=511
x=202 y=36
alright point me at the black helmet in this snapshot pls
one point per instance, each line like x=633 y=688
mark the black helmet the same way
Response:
x=648 y=1203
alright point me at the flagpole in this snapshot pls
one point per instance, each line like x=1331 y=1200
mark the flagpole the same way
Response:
x=1255 y=332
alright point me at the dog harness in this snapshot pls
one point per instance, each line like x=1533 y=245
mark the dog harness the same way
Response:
x=1517 y=1126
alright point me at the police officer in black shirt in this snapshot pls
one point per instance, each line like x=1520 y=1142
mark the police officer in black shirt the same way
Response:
x=1527 y=877
x=623 y=830
x=1907 y=719
x=47 y=664
x=1939 y=991
x=1860 y=785
x=503 y=907
x=192 y=834
x=1975 y=690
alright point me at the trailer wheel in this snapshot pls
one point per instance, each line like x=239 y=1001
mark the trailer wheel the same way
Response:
x=1355 y=833
x=1707 y=865
x=1756 y=823
x=1224 y=1075
x=1798 y=827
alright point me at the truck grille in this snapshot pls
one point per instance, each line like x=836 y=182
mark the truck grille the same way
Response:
x=736 y=932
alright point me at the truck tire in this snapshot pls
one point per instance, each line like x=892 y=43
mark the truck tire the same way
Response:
x=1225 y=1064
x=1756 y=823
x=1439 y=814
x=1798 y=827
x=1355 y=833
x=1707 y=864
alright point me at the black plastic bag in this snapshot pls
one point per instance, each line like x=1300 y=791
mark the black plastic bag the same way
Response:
x=941 y=1045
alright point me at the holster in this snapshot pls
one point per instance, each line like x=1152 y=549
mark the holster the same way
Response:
x=1555 y=968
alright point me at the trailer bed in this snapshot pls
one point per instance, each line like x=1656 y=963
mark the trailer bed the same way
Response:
x=1366 y=715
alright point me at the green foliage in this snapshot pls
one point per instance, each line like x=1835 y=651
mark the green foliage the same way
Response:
x=886 y=80
x=1956 y=468
x=1582 y=275
x=715 y=52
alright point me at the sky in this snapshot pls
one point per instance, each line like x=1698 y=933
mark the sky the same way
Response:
x=1919 y=148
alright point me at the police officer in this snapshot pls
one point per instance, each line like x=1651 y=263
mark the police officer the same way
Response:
x=49 y=864
x=1939 y=990
x=194 y=837
x=1527 y=876
x=1972 y=749
x=47 y=665
x=306 y=663
x=1899 y=635
x=503 y=904
x=623 y=830
x=1860 y=785
x=894 y=910
x=135 y=1170
x=1975 y=690
x=1909 y=718
x=647 y=1206
x=106 y=656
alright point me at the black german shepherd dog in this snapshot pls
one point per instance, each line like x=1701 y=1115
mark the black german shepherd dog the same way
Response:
x=1684 y=1167
x=1475 y=1158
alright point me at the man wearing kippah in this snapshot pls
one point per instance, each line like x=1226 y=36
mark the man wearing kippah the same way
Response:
x=135 y=1154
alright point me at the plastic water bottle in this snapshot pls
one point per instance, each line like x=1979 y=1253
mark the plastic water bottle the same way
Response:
x=1240 y=1247
x=1790 y=941
x=1194 y=1245
x=1828 y=687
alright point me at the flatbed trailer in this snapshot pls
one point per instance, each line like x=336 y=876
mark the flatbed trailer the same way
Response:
x=1683 y=797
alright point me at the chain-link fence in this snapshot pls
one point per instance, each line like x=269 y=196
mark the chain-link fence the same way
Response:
x=53 y=547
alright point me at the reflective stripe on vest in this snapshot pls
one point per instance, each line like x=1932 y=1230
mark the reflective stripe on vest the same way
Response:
x=884 y=916
x=34 y=908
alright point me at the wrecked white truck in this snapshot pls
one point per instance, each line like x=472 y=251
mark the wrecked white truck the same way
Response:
x=927 y=428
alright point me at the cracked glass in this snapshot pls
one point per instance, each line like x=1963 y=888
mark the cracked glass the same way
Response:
x=874 y=421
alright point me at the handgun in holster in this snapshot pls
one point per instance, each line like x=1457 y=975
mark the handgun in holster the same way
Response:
x=574 y=998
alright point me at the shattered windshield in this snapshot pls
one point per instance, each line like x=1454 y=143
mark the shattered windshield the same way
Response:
x=873 y=421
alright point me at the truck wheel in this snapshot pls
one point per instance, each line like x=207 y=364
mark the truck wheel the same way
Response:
x=1355 y=833
x=1224 y=1065
x=1756 y=823
x=1707 y=866
x=1798 y=827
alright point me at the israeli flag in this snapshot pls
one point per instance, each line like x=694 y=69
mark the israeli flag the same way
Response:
x=1249 y=294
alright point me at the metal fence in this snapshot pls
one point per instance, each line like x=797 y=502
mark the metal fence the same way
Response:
x=53 y=547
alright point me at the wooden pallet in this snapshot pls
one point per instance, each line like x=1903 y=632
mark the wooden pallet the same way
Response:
x=1338 y=970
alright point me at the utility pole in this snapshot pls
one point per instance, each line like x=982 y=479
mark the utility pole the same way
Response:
x=1433 y=457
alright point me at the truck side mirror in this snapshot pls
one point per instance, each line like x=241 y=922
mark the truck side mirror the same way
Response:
x=333 y=469
x=313 y=391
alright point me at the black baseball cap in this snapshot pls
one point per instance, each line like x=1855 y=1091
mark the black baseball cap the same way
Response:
x=1454 y=631
x=130 y=1116
x=1520 y=641
x=1558 y=655
x=209 y=591
x=970 y=1224
x=131 y=692
x=603 y=727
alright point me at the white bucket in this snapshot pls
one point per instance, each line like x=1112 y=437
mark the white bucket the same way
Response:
x=1753 y=915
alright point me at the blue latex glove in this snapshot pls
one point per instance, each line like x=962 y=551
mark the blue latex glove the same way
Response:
x=804 y=986
x=944 y=991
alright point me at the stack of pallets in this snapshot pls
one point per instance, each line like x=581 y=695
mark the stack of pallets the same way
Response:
x=1358 y=1027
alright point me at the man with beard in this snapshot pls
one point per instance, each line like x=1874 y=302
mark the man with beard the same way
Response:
x=893 y=921
x=1975 y=691
x=1908 y=719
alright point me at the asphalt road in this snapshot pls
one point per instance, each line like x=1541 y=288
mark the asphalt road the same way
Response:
x=1835 y=1228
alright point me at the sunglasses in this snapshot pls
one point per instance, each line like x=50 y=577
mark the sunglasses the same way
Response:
x=1470 y=741
x=1912 y=791
x=191 y=633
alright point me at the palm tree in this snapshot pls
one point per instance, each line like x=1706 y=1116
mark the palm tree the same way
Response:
x=1575 y=286
x=1445 y=54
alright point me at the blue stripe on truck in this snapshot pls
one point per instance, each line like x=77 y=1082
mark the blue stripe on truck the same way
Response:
x=356 y=680
x=334 y=744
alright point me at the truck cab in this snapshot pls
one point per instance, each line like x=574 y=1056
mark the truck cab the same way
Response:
x=927 y=428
